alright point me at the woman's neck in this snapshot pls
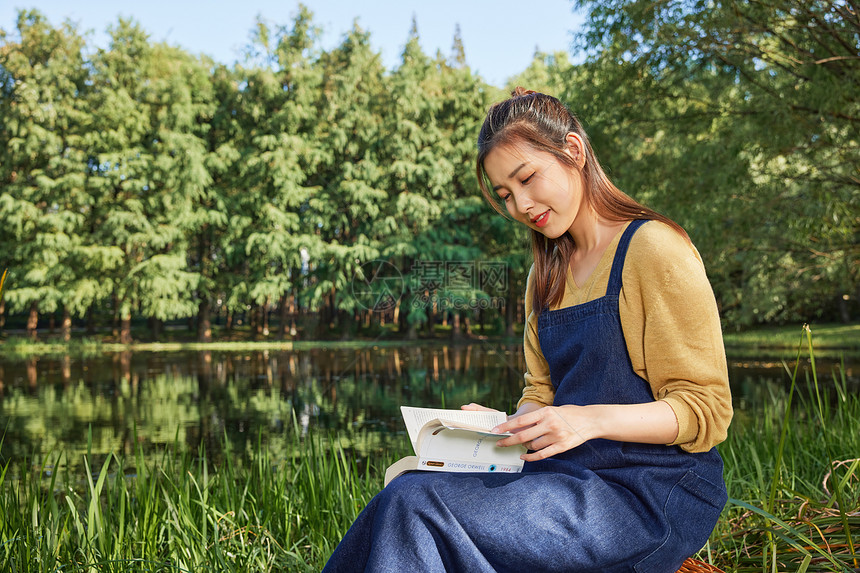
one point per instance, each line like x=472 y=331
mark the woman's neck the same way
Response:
x=592 y=236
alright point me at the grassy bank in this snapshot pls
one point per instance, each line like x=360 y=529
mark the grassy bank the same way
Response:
x=179 y=513
x=793 y=474
x=781 y=340
x=827 y=336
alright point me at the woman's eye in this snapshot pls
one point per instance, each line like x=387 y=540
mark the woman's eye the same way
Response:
x=505 y=198
x=529 y=178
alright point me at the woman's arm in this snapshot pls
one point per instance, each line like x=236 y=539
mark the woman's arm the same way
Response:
x=550 y=430
x=672 y=327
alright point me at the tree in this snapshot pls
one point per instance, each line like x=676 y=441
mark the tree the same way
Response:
x=749 y=108
x=278 y=151
x=457 y=235
x=178 y=194
x=148 y=168
x=346 y=206
x=418 y=179
x=43 y=198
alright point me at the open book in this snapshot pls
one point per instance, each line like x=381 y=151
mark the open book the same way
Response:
x=455 y=441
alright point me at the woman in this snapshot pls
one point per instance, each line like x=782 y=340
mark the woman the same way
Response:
x=626 y=390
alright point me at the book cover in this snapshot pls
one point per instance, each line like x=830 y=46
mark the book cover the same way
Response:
x=455 y=441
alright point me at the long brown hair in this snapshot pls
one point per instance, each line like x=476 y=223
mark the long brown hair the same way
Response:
x=542 y=122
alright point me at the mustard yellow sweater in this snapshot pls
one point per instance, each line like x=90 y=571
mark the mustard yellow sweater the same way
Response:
x=671 y=326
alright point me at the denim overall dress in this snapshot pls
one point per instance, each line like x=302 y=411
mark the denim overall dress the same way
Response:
x=602 y=507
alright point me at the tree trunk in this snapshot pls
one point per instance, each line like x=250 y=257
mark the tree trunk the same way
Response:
x=125 y=328
x=456 y=332
x=228 y=322
x=66 y=328
x=252 y=320
x=204 y=321
x=91 y=323
x=410 y=328
x=115 y=320
x=283 y=316
x=33 y=320
x=264 y=318
x=294 y=311
x=431 y=316
x=156 y=327
x=344 y=324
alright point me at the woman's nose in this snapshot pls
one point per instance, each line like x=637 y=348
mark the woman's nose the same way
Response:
x=524 y=203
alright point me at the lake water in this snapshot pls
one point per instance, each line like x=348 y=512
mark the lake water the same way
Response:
x=125 y=402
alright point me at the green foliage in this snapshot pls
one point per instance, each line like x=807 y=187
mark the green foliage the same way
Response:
x=139 y=181
x=738 y=119
x=150 y=183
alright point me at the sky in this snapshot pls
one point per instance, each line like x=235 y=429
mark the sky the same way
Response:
x=500 y=37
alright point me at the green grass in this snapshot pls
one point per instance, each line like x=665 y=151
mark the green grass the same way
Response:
x=830 y=340
x=794 y=480
x=21 y=347
x=179 y=513
x=791 y=469
x=827 y=336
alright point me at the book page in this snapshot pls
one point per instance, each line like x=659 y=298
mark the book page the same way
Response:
x=417 y=417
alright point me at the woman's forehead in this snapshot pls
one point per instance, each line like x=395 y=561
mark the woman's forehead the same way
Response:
x=516 y=152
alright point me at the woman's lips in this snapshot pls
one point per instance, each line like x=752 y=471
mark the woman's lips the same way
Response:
x=541 y=219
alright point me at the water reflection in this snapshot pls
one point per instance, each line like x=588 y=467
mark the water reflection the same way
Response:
x=127 y=402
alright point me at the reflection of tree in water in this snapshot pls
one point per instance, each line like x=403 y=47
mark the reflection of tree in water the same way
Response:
x=150 y=401
x=186 y=401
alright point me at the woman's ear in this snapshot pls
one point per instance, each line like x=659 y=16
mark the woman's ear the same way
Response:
x=575 y=149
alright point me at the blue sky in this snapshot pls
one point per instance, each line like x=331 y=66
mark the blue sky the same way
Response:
x=499 y=36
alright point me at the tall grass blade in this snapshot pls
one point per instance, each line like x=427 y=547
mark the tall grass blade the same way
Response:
x=777 y=469
x=838 y=493
x=783 y=433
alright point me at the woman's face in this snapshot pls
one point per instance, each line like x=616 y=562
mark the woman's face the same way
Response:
x=537 y=189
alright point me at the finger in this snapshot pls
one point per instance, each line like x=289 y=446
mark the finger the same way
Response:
x=523 y=437
x=518 y=423
x=477 y=408
x=544 y=453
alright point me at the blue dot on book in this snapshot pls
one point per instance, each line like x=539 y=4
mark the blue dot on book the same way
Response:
x=492 y=468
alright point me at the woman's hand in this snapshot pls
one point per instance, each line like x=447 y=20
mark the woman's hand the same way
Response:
x=551 y=430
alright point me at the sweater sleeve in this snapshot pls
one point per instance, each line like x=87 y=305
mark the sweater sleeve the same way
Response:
x=538 y=386
x=672 y=327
